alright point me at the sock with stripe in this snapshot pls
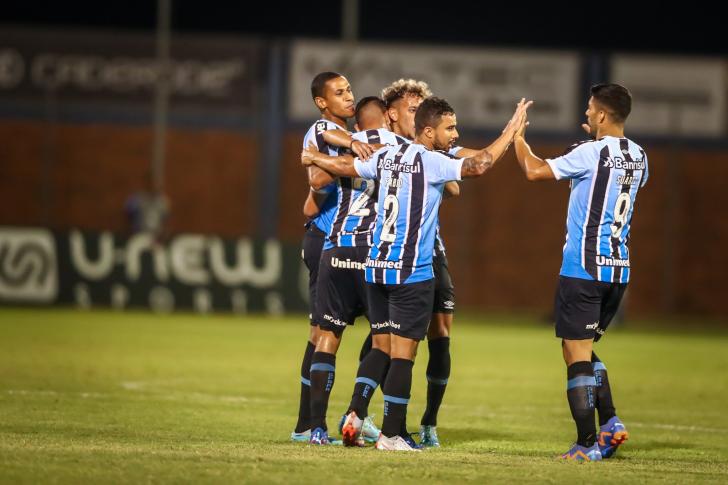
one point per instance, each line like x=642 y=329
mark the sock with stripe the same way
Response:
x=438 y=373
x=370 y=374
x=304 y=405
x=396 y=396
x=580 y=391
x=604 y=403
x=323 y=370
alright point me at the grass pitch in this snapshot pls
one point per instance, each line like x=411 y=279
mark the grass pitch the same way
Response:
x=92 y=397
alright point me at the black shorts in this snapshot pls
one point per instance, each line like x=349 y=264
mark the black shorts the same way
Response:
x=403 y=310
x=444 y=301
x=584 y=308
x=341 y=288
x=313 y=243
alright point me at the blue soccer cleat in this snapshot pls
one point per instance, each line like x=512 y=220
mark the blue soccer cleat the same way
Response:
x=611 y=435
x=319 y=436
x=428 y=436
x=302 y=437
x=369 y=431
x=583 y=453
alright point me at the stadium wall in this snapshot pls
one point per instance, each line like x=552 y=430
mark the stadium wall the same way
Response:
x=503 y=234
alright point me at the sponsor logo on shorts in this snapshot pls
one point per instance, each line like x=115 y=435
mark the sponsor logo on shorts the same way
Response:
x=592 y=326
x=448 y=304
x=335 y=321
x=604 y=261
x=600 y=331
x=348 y=264
x=373 y=263
x=381 y=325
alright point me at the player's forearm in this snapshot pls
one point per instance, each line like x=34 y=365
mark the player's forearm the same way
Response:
x=318 y=178
x=476 y=166
x=342 y=166
x=533 y=166
x=500 y=146
x=338 y=138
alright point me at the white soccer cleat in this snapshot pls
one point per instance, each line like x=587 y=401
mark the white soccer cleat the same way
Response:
x=351 y=430
x=395 y=443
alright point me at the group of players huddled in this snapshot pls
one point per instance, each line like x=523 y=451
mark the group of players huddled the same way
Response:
x=373 y=247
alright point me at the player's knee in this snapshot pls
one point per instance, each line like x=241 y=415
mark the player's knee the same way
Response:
x=381 y=342
x=328 y=342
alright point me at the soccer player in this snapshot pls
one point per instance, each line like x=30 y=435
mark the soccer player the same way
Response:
x=605 y=173
x=411 y=179
x=332 y=95
x=372 y=127
x=402 y=98
x=341 y=288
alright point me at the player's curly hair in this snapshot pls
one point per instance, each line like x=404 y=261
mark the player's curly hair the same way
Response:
x=403 y=87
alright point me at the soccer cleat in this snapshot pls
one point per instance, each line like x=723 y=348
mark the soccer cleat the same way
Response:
x=428 y=436
x=351 y=430
x=395 y=443
x=369 y=431
x=611 y=435
x=583 y=453
x=302 y=437
x=319 y=436
x=410 y=441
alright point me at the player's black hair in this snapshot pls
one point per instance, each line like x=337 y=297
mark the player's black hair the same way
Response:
x=319 y=83
x=363 y=102
x=430 y=112
x=615 y=98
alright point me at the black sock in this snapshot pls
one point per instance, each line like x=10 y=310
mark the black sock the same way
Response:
x=366 y=347
x=396 y=396
x=304 y=405
x=580 y=391
x=370 y=374
x=323 y=369
x=604 y=403
x=438 y=372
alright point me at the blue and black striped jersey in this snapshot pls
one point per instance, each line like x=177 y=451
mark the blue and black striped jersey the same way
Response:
x=325 y=217
x=411 y=181
x=355 y=213
x=606 y=175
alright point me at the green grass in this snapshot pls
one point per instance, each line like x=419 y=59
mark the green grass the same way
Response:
x=88 y=397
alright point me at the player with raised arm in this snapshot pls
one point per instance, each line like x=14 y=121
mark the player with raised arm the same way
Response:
x=606 y=172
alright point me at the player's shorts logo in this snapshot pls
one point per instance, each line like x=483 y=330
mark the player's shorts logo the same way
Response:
x=448 y=304
x=335 y=321
x=592 y=326
x=28 y=269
